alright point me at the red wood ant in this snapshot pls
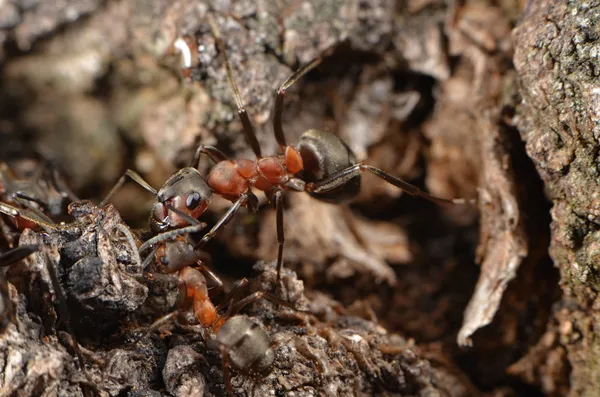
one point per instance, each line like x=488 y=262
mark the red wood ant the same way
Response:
x=242 y=343
x=321 y=164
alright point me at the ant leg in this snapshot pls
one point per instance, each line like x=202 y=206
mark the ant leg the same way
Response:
x=149 y=258
x=246 y=123
x=342 y=177
x=230 y=297
x=278 y=196
x=24 y=200
x=225 y=219
x=23 y=196
x=239 y=305
x=60 y=185
x=278 y=112
x=167 y=318
x=135 y=177
x=15 y=255
x=226 y=375
x=171 y=234
x=212 y=152
x=31 y=217
x=218 y=288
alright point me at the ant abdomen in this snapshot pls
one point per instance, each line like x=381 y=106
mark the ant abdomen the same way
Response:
x=245 y=346
x=324 y=154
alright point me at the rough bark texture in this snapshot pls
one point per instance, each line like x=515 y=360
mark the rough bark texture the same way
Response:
x=557 y=60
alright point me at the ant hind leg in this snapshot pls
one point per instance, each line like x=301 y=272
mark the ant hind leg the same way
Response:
x=344 y=176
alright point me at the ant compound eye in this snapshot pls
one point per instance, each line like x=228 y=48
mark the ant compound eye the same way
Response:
x=193 y=199
x=164 y=260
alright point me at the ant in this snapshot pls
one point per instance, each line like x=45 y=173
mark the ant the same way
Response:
x=321 y=164
x=7 y=308
x=44 y=193
x=243 y=344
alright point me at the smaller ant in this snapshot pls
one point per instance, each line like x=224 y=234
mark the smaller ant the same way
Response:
x=242 y=343
x=7 y=308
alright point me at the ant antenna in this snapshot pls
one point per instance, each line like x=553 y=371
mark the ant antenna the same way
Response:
x=278 y=112
x=248 y=128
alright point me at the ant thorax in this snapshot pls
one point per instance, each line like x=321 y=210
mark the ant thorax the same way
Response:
x=232 y=178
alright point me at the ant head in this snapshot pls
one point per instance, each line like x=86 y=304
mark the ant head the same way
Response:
x=175 y=255
x=323 y=154
x=186 y=191
x=246 y=346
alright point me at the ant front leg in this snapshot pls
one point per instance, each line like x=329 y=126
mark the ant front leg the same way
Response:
x=17 y=254
x=59 y=183
x=344 y=176
x=247 y=199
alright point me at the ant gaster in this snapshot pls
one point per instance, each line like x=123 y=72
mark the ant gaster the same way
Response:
x=321 y=164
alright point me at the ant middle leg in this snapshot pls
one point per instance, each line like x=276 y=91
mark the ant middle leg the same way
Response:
x=217 y=288
x=278 y=198
x=344 y=176
x=231 y=295
x=256 y=296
